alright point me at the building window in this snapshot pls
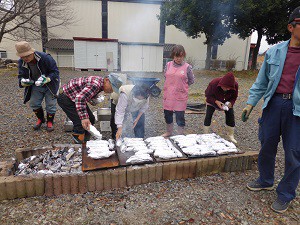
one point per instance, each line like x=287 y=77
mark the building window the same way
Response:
x=3 y=55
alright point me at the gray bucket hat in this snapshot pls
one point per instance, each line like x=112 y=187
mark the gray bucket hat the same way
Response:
x=115 y=81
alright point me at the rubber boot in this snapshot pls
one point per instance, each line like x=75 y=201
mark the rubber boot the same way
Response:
x=50 y=118
x=230 y=134
x=206 y=129
x=78 y=138
x=180 y=130
x=41 y=119
x=169 y=131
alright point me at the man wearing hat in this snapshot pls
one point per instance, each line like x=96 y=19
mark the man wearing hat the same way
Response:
x=75 y=95
x=279 y=85
x=39 y=75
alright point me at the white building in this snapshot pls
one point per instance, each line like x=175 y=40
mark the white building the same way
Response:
x=139 y=34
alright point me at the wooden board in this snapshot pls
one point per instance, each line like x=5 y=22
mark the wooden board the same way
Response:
x=126 y=155
x=94 y=164
x=196 y=108
x=188 y=111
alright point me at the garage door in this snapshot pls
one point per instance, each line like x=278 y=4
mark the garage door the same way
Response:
x=146 y=58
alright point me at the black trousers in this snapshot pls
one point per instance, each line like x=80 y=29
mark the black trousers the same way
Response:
x=113 y=126
x=229 y=116
x=68 y=106
x=180 y=120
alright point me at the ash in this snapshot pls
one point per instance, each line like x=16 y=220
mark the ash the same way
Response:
x=66 y=160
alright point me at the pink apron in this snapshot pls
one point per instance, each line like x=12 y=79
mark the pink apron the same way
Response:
x=176 y=87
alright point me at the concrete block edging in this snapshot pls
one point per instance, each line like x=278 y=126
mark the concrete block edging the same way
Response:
x=12 y=187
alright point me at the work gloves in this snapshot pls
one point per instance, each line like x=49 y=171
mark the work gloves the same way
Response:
x=246 y=112
x=42 y=80
x=26 y=82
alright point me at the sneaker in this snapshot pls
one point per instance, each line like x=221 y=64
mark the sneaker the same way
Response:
x=255 y=186
x=280 y=206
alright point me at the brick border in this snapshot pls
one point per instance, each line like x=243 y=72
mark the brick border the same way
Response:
x=12 y=187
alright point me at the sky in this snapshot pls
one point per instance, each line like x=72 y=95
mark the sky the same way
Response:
x=263 y=45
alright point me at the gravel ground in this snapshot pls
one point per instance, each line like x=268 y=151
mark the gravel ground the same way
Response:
x=217 y=199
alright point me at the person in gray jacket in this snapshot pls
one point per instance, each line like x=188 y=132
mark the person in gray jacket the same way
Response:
x=278 y=83
x=134 y=100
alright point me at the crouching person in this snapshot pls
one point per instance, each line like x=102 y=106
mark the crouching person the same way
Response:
x=39 y=75
x=73 y=99
x=134 y=99
x=221 y=94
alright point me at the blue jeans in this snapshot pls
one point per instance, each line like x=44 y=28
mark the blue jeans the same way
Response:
x=37 y=96
x=139 y=129
x=278 y=120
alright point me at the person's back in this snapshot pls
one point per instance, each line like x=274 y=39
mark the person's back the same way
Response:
x=73 y=99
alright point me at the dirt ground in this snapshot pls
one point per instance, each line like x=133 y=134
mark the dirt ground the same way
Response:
x=218 y=199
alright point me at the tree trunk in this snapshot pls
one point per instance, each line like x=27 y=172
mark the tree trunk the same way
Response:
x=208 y=55
x=44 y=27
x=256 y=49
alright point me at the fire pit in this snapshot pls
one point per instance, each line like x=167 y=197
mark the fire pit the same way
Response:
x=68 y=178
x=64 y=160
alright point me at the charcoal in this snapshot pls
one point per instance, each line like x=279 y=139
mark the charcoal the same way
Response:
x=65 y=160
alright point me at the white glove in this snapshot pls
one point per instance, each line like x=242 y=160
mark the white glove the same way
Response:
x=226 y=106
x=26 y=82
x=42 y=80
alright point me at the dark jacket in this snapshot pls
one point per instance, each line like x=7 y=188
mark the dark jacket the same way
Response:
x=47 y=66
x=214 y=91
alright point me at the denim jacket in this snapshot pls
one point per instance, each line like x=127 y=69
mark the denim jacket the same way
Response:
x=47 y=66
x=269 y=77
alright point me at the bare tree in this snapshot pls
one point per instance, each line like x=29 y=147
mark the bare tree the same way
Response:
x=25 y=19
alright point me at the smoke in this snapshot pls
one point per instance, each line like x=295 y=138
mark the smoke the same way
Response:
x=140 y=25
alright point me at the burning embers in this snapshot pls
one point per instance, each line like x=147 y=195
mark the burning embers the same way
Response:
x=65 y=160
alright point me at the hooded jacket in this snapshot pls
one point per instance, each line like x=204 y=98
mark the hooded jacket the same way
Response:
x=47 y=66
x=214 y=91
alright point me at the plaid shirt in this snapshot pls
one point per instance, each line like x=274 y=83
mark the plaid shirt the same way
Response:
x=82 y=90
